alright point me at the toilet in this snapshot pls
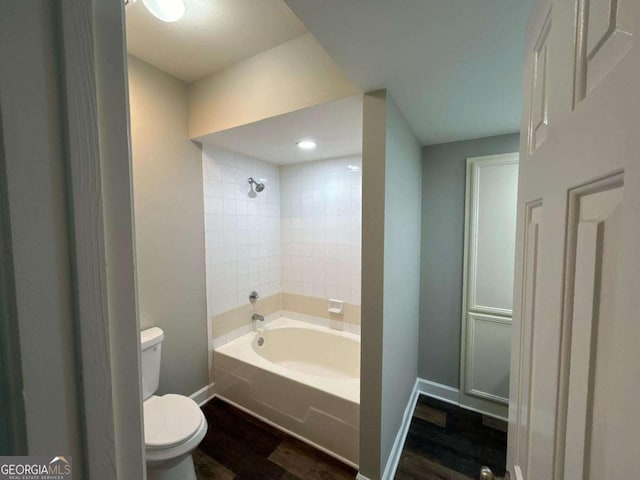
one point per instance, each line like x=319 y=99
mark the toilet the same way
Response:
x=174 y=425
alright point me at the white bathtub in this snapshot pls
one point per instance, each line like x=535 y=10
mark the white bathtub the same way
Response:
x=304 y=378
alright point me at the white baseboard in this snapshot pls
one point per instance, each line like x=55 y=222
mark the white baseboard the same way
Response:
x=451 y=395
x=422 y=386
x=518 y=473
x=398 y=444
x=203 y=395
x=437 y=390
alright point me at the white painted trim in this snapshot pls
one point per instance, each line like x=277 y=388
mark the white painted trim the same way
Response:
x=450 y=395
x=96 y=146
x=468 y=395
x=87 y=232
x=398 y=444
x=289 y=432
x=485 y=413
x=472 y=319
x=203 y=395
x=474 y=164
x=115 y=163
x=72 y=219
x=439 y=391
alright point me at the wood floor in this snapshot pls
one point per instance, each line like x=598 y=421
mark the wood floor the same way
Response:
x=238 y=446
x=444 y=442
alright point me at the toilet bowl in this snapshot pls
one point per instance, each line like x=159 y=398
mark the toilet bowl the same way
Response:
x=174 y=425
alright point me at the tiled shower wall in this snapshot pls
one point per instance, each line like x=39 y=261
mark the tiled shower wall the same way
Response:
x=320 y=210
x=242 y=234
x=300 y=236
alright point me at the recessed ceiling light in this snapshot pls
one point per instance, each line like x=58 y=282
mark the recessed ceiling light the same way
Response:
x=166 y=10
x=307 y=144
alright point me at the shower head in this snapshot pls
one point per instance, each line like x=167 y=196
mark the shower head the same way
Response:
x=258 y=186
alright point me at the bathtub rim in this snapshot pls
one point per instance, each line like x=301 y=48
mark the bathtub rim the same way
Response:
x=309 y=380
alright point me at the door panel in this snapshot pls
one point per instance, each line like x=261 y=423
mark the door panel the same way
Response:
x=539 y=95
x=491 y=233
x=489 y=349
x=604 y=37
x=576 y=333
x=491 y=199
x=524 y=399
x=594 y=222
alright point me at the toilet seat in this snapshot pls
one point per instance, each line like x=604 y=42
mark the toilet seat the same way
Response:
x=170 y=420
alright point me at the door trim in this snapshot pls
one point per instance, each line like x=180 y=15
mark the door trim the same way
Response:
x=92 y=43
x=469 y=397
x=71 y=209
x=13 y=439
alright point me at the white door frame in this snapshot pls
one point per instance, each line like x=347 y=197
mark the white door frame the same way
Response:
x=98 y=119
x=78 y=83
x=471 y=398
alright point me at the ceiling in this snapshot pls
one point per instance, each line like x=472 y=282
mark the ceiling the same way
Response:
x=212 y=35
x=454 y=67
x=335 y=126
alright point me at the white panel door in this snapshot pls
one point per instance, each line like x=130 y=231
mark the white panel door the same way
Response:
x=491 y=198
x=491 y=226
x=576 y=334
x=488 y=350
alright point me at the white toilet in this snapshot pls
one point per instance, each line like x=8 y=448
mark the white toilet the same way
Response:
x=174 y=425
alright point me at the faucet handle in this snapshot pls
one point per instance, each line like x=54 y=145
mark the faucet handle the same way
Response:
x=253 y=297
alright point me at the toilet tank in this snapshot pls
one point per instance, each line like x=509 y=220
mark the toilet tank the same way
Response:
x=150 y=347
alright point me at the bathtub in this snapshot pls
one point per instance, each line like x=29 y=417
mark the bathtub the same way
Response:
x=300 y=377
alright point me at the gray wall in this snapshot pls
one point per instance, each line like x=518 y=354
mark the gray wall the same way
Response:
x=443 y=200
x=169 y=225
x=403 y=194
x=391 y=197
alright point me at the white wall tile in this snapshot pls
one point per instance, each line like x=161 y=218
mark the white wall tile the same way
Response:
x=320 y=210
x=242 y=233
x=300 y=235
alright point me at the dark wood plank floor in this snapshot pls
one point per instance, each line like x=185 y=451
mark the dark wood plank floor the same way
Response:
x=446 y=442
x=238 y=446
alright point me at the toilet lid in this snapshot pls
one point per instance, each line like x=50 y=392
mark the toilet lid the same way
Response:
x=170 y=420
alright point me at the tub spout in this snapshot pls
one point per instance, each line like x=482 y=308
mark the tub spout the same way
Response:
x=257 y=316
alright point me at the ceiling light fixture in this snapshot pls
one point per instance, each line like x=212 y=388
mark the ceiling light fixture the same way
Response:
x=306 y=144
x=166 y=10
